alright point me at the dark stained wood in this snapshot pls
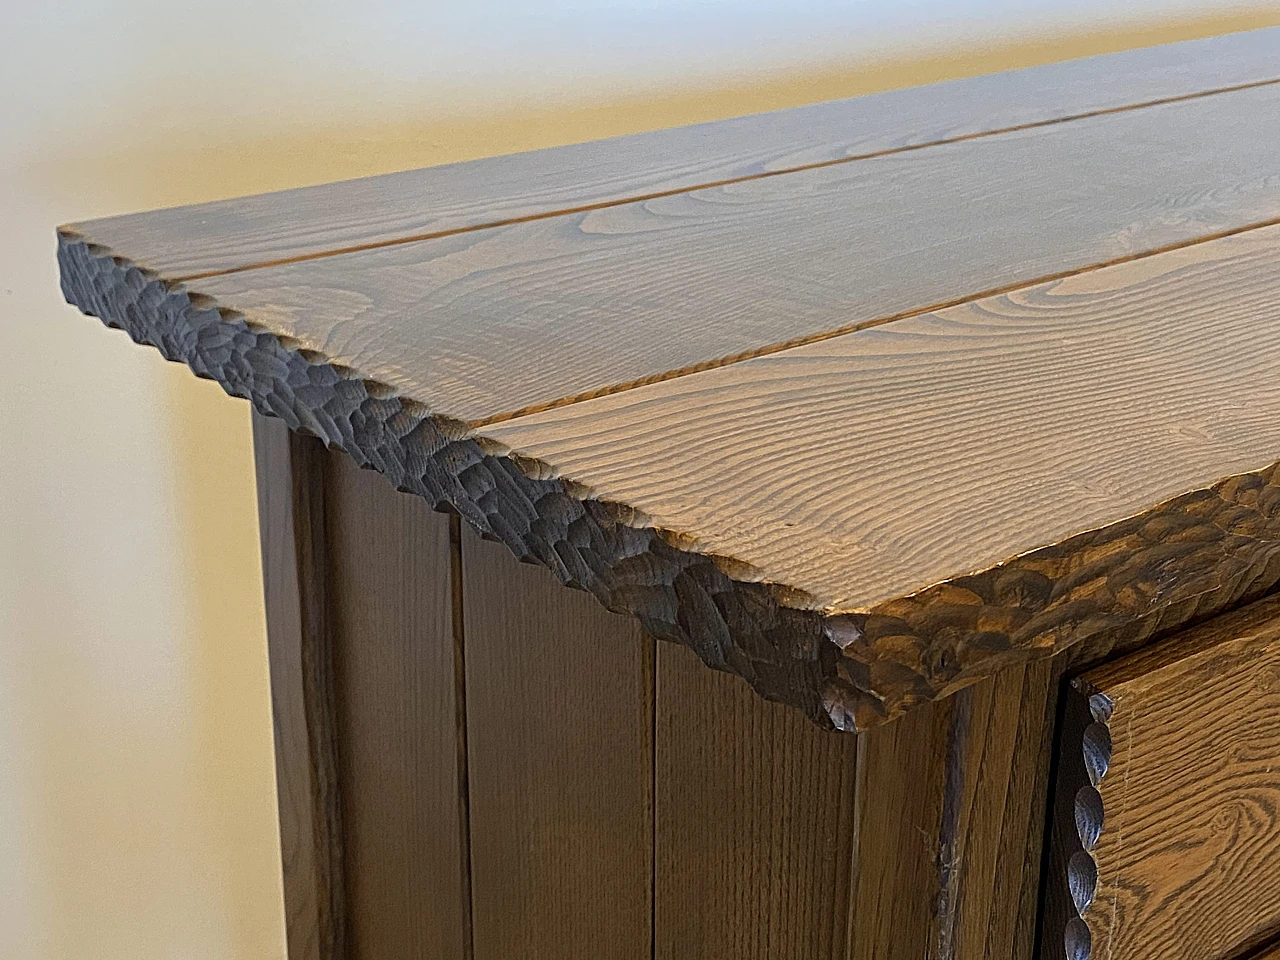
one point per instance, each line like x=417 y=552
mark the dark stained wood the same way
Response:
x=975 y=434
x=385 y=209
x=559 y=736
x=592 y=302
x=391 y=606
x=290 y=475
x=754 y=817
x=1267 y=953
x=1175 y=849
x=944 y=419
x=951 y=823
x=835 y=522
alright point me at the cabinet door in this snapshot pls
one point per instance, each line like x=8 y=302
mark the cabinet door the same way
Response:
x=1166 y=833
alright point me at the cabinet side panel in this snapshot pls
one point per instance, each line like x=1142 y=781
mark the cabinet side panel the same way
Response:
x=391 y=601
x=754 y=816
x=559 y=741
x=290 y=475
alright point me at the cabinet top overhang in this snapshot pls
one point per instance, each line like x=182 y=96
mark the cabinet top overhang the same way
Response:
x=861 y=400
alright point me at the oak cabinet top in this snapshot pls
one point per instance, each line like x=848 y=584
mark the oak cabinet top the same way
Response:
x=861 y=401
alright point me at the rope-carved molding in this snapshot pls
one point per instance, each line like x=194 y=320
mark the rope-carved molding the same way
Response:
x=1079 y=821
x=1107 y=589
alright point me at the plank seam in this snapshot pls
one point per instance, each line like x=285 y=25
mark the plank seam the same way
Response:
x=728 y=181
x=460 y=728
x=795 y=342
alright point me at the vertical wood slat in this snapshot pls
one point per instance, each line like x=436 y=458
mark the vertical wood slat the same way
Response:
x=951 y=823
x=559 y=744
x=624 y=799
x=290 y=478
x=403 y=813
x=754 y=822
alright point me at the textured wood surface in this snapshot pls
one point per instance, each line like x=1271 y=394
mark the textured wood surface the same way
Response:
x=315 y=220
x=1169 y=360
x=1168 y=832
x=290 y=475
x=753 y=822
x=951 y=823
x=834 y=522
x=559 y=735
x=390 y=592
x=591 y=302
x=975 y=434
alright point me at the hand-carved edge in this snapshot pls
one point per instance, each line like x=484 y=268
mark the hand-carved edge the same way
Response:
x=1084 y=752
x=1110 y=588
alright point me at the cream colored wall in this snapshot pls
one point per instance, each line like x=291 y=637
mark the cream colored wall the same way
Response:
x=136 y=779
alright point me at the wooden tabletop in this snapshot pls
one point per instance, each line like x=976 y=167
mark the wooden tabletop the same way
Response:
x=861 y=401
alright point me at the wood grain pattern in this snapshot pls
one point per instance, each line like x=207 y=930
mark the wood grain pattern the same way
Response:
x=1267 y=953
x=1048 y=408
x=590 y=490
x=391 y=603
x=313 y=220
x=1177 y=814
x=592 y=302
x=290 y=475
x=951 y=823
x=786 y=516
x=559 y=725
x=753 y=828
x=1117 y=370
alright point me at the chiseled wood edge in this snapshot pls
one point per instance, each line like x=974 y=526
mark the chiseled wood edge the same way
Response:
x=1102 y=590
x=290 y=477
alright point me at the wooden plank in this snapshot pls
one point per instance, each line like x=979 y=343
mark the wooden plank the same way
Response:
x=459 y=196
x=754 y=814
x=559 y=722
x=1168 y=833
x=290 y=475
x=593 y=302
x=402 y=812
x=951 y=823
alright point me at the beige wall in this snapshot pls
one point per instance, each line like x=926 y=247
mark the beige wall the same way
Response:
x=136 y=779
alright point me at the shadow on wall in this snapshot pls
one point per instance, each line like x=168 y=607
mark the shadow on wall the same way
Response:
x=223 y=706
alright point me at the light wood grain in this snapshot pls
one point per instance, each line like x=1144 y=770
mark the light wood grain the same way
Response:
x=754 y=817
x=951 y=823
x=290 y=477
x=1177 y=848
x=402 y=811
x=870 y=465
x=594 y=301
x=559 y=737
x=232 y=233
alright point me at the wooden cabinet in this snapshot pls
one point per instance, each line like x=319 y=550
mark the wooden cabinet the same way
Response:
x=896 y=482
